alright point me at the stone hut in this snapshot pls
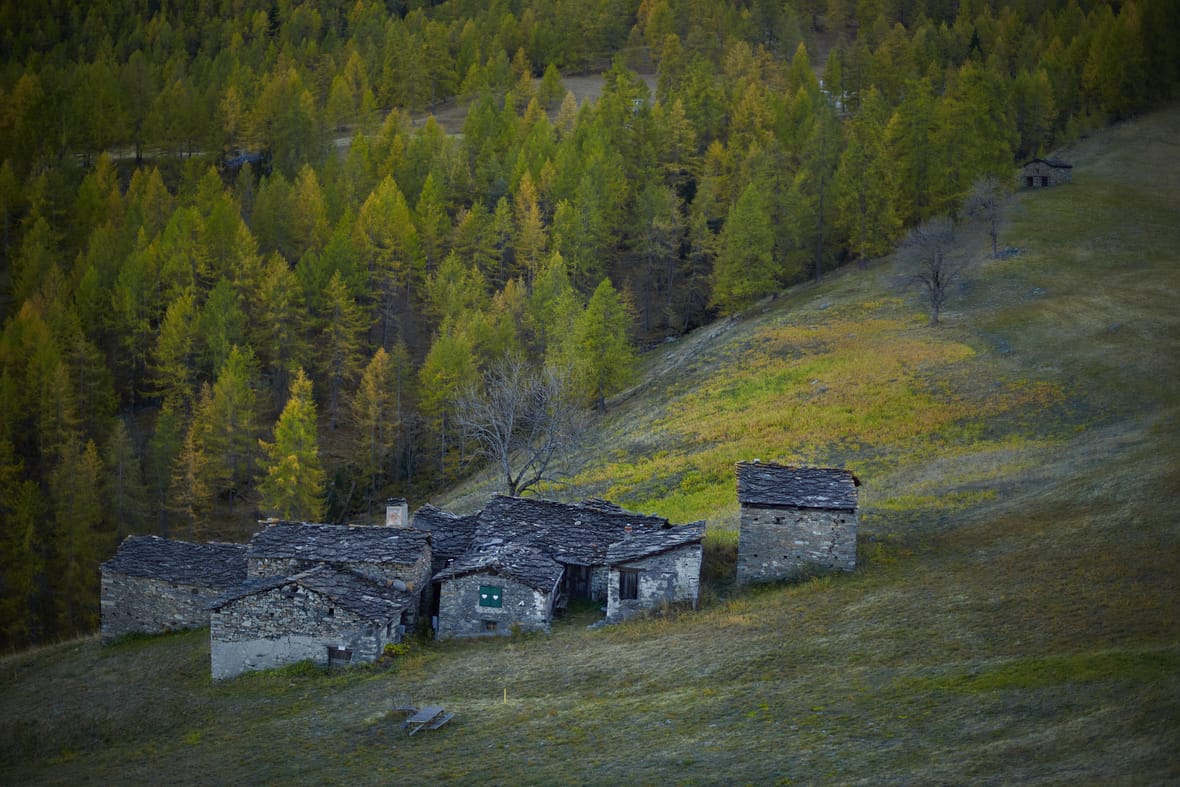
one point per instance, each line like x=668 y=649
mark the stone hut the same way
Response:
x=654 y=568
x=384 y=555
x=576 y=535
x=793 y=517
x=154 y=584
x=496 y=590
x=323 y=614
x=1041 y=173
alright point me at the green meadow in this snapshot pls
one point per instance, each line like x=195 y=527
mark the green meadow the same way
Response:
x=1012 y=619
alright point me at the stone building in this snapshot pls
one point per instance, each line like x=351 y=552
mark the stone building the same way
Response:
x=576 y=535
x=384 y=555
x=153 y=584
x=450 y=539
x=794 y=517
x=655 y=568
x=1041 y=173
x=322 y=614
x=497 y=590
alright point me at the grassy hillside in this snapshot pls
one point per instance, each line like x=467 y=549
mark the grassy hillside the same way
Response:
x=1014 y=618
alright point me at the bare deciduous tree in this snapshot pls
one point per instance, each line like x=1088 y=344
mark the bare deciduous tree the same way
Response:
x=928 y=250
x=525 y=421
x=985 y=202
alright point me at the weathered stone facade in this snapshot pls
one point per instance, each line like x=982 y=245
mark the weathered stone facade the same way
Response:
x=779 y=543
x=461 y=614
x=302 y=618
x=1042 y=173
x=793 y=518
x=671 y=577
x=153 y=585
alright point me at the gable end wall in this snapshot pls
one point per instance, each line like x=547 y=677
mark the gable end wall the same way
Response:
x=777 y=543
x=460 y=615
x=668 y=578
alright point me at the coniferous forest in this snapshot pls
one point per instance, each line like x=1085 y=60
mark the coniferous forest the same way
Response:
x=246 y=272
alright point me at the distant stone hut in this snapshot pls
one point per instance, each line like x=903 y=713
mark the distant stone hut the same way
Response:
x=1042 y=173
x=153 y=584
x=497 y=590
x=794 y=517
x=324 y=615
x=650 y=569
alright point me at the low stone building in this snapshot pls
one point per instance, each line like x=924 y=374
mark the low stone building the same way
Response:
x=576 y=535
x=154 y=584
x=450 y=539
x=322 y=614
x=384 y=555
x=651 y=569
x=794 y=517
x=496 y=591
x=1041 y=173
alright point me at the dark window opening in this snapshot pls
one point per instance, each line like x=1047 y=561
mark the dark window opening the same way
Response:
x=489 y=625
x=628 y=585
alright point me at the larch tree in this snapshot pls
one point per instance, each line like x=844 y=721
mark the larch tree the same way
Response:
x=929 y=253
x=292 y=481
x=745 y=269
x=603 y=357
x=864 y=183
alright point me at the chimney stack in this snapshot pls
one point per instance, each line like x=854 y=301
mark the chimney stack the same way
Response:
x=397 y=512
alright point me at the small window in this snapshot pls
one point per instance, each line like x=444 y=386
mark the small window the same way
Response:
x=489 y=625
x=331 y=611
x=491 y=596
x=628 y=585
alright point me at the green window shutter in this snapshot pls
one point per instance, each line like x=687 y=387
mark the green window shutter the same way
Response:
x=491 y=596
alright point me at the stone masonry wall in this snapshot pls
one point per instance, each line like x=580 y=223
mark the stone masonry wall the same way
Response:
x=670 y=577
x=279 y=627
x=460 y=614
x=138 y=605
x=777 y=543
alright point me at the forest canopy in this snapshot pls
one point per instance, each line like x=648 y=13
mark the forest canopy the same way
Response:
x=247 y=272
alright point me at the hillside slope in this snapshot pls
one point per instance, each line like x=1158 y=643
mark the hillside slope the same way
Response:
x=1013 y=619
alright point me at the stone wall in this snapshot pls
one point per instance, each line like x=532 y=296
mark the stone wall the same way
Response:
x=779 y=542
x=670 y=577
x=461 y=615
x=139 y=605
x=284 y=626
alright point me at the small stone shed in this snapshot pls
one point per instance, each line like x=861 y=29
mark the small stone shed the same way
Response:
x=1041 y=173
x=497 y=590
x=794 y=517
x=384 y=555
x=650 y=569
x=321 y=614
x=154 y=584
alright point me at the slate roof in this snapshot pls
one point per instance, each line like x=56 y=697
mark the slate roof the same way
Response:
x=213 y=566
x=572 y=533
x=349 y=590
x=1051 y=162
x=639 y=546
x=450 y=534
x=769 y=484
x=522 y=564
x=339 y=543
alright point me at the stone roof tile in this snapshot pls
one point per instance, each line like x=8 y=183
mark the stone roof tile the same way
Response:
x=350 y=590
x=761 y=483
x=211 y=566
x=522 y=564
x=450 y=534
x=339 y=543
x=642 y=545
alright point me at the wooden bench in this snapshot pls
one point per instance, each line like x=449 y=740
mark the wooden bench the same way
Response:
x=430 y=717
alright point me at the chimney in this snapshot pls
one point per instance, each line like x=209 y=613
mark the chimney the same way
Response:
x=627 y=531
x=397 y=512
